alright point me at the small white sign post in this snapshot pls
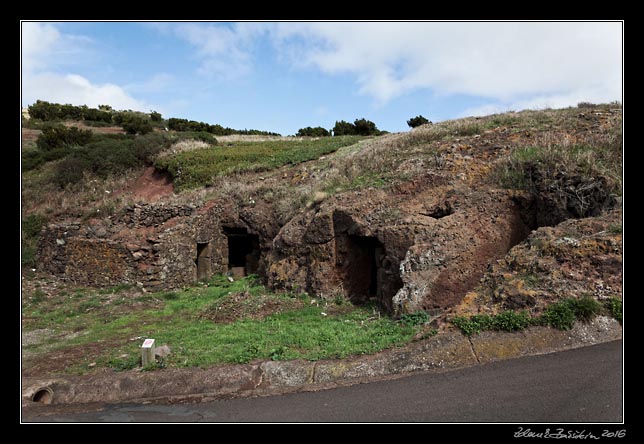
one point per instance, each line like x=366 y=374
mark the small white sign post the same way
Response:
x=147 y=352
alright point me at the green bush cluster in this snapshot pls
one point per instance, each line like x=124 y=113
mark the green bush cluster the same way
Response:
x=416 y=318
x=136 y=124
x=81 y=152
x=614 y=306
x=181 y=125
x=47 y=111
x=31 y=226
x=360 y=127
x=110 y=155
x=318 y=131
x=561 y=315
x=59 y=136
x=417 y=121
x=505 y=321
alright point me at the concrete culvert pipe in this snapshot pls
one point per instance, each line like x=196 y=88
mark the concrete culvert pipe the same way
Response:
x=44 y=395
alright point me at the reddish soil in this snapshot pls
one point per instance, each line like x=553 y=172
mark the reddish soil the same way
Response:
x=150 y=186
x=57 y=361
x=30 y=134
x=246 y=306
x=97 y=129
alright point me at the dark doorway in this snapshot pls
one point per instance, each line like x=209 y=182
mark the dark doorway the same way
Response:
x=243 y=251
x=368 y=273
x=363 y=255
x=203 y=261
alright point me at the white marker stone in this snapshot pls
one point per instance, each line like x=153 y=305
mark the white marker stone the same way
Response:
x=147 y=352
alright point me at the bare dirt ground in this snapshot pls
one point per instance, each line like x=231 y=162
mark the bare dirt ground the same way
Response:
x=243 y=305
x=151 y=186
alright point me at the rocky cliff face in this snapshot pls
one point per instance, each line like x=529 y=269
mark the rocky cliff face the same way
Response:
x=444 y=229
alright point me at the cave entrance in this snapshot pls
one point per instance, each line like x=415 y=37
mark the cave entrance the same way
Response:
x=243 y=251
x=364 y=278
x=203 y=261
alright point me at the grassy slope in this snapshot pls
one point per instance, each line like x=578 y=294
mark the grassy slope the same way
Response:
x=192 y=169
x=312 y=330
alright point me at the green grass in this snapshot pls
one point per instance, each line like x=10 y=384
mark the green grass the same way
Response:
x=197 y=168
x=560 y=315
x=31 y=226
x=416 y=318
x=614 y=306
x=312 y=331
x=615 y=228
x=505 y=321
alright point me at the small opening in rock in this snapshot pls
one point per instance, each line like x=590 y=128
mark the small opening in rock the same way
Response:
x=162 y=176
x=441 y=210
x=203 y=261
x=243 y=251
x=43 y=396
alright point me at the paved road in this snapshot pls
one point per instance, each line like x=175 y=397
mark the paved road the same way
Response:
x=582 y=385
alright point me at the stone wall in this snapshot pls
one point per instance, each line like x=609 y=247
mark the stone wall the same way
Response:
x=98 y=262
x=154 y=246
x=145 y=215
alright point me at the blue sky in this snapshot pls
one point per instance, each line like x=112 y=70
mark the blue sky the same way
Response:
x=282 y=76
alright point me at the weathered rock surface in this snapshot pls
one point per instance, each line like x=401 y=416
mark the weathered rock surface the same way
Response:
x=422 y=242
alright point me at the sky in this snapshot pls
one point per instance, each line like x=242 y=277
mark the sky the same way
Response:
x=282 y=76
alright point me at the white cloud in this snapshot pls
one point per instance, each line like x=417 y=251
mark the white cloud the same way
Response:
x=77 y=90
x=225 y=51
x=157 y=83
x=513 y=63
x=44 y=51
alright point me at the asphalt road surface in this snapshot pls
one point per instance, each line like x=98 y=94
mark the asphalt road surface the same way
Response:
x=581 y=385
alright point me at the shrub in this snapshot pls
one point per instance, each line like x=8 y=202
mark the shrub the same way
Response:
x=44 y=110
x=417 y=121
x=145 y=148
x=559 y=315
x=33 y=159
x=473 y=325
x=135 y=124
x=70 y=171
x=111 y=154
x=511 y=321
x=182 y=125
x=416 y=318
x=54 y=111
x=585 y=308
x=506 y=321
x=615 y=308
x=155 y=116
x=202 y=136
x=365 y=127
x=32 y=225
x=342 y=128
x=96 y=115
x=318 y=131
x=70 y=112
x=361 y=127
x=57 y=136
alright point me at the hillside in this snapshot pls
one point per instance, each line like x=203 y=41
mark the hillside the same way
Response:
x=513 y=212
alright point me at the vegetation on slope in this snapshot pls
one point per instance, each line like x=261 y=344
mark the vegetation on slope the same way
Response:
x=197 y=168
x=221 y=322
